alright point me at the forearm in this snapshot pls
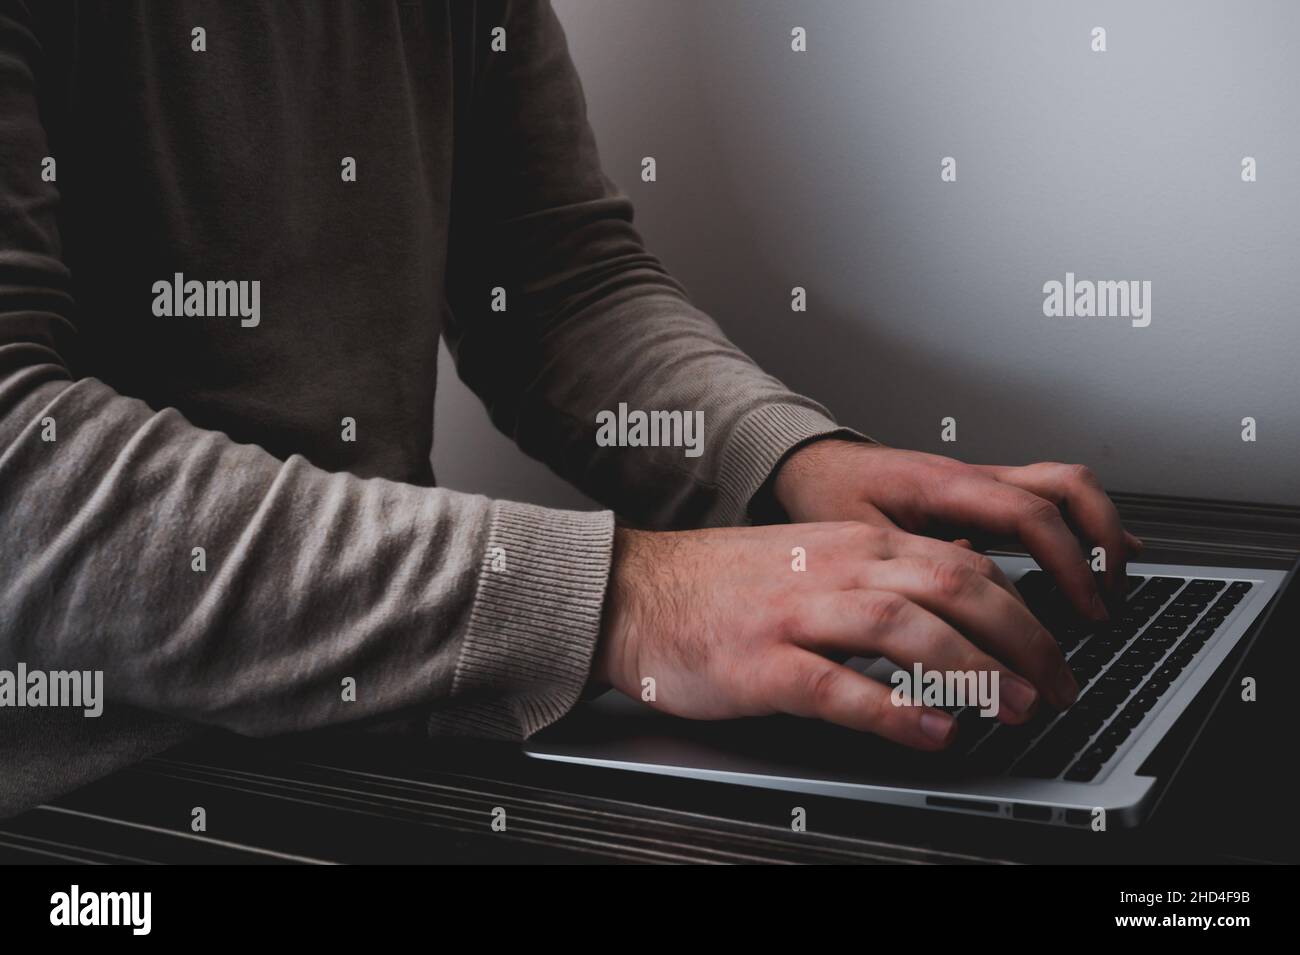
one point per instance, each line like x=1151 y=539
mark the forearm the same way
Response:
x=561 y=315
x=211 y=581
x=632 y=348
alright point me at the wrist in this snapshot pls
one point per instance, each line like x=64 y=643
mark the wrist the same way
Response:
x=796 y=478
x=610 y=663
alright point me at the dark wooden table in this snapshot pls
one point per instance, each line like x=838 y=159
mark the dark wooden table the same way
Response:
x=384 y=799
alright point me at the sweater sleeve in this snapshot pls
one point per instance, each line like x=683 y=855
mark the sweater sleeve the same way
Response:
x=216 y=583
x=591 y=319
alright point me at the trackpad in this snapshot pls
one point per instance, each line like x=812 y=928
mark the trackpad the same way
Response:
x=616 y=729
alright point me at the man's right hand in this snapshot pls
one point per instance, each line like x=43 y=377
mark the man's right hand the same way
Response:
x=725 y=626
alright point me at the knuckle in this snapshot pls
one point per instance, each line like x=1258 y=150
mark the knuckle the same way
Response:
x=1082 y=474
x=862 y=537
x=985 y=566
x=788 y=614
x=883 y=610
x=820 y=686
x=953 y=579
x=1041 y=511
x=787 y=619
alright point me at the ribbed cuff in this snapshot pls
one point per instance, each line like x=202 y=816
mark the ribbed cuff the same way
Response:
x=532 y=634
x=759 y=443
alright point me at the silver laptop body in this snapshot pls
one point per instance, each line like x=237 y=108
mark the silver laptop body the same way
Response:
x=804 y=756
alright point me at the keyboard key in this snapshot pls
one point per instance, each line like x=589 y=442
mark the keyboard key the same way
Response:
x=972 y=728
x=1006 y=743
x=1085 y=670
x=1167 y=583
x=973 y=720
x=1222 y=607
x=1129 y=717
x=1111 y=691
x=1169 y=670
x=1132 y=665
x=1083 y=772
x=1088 y=763
x=1144 y=700
x=1147 y=603
x=1116 y=733
x=1072 y=634
x=1141 y=654
x=1077 y=726
x=1099 y=651
x=1099 y=752
x=997 y=752
x=1043 y=763
x=1114 y=636
x=1125 y=680
x=1160 y=637
x=1156 y=685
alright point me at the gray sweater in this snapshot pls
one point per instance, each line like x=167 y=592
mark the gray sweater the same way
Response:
x=386 y=177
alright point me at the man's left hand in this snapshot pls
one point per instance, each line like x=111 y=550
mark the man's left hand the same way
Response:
x=1053 y=510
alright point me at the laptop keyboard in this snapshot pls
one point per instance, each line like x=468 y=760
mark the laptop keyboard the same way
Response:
x=1123 y=669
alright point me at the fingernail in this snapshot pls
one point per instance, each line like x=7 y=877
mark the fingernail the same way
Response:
x=1099 y=611
x=937 y=726
x=1018 y=695
x=1066 y=686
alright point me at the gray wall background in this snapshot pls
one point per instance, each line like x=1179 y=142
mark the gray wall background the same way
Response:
x=821 y=169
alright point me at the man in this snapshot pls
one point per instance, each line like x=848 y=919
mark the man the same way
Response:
x=230 y=238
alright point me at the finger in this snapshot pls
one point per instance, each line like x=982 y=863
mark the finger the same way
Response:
x=1135 y=544
x=1003 y=509
x=1092 y=512
x=809 y=685
x=883 y=623
x=986 y=614
x=904 y=544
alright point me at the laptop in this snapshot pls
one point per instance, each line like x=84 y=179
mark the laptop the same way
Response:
x=1145 y=692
